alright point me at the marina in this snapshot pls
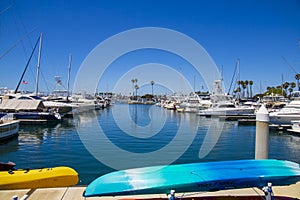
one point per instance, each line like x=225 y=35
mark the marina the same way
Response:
x=149 y=100
x=60 y=143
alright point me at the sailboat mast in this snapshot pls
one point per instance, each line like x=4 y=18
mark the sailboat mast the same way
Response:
x=238 y=67
x=69 y=70
x=38 y=67
x=239 y=77
x=16 y=90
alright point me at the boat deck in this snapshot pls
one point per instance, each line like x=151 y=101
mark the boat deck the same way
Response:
x=75 y=193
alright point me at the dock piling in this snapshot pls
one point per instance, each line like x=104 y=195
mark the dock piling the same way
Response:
x=262 y=133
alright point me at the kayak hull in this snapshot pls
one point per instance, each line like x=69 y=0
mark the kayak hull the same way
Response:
x=210 y=176
x=38 y=178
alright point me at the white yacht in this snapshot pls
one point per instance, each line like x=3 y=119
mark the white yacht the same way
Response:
x=191 y=104
x=226 y=108
x=287 y=114
x=85 y=103
x=295 y=126
x=60 y=107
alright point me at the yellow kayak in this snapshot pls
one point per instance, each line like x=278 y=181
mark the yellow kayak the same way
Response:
x=38 y=178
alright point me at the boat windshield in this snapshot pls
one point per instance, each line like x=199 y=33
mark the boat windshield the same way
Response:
x=36 y=98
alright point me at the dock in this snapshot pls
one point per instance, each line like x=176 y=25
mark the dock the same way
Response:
x=75 y=193
x=236 y=117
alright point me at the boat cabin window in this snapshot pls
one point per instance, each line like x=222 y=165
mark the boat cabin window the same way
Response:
x=24 y=98
x=227 y=106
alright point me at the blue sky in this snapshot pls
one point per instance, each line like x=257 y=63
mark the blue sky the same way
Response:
x=259 y=33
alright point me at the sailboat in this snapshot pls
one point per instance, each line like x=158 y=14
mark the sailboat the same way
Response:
x=27 y=109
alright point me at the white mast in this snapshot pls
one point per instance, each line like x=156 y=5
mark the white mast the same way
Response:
x=38 y=67
x=69 y=70
x=239 y=78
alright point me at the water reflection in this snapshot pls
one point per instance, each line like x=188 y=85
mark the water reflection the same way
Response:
x=183 y=136
x=9 y=146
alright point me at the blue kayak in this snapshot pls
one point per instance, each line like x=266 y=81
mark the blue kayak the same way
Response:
x=208 y=176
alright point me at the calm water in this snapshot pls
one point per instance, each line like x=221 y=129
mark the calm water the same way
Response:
x=126 y=136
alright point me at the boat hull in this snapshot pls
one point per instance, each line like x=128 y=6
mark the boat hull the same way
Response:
x=227 y=112
x=283 y=119
x=210 y=176
x=9 y=130
x=38 y=178
x=37 y=116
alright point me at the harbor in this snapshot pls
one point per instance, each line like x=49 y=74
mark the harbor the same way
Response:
x=56 y=141
x=149 y=100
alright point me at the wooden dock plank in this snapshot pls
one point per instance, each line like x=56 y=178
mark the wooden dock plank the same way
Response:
x=8 y=194
x=48 y=193
x=75 y=193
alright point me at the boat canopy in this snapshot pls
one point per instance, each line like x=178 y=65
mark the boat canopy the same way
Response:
x=21 y=105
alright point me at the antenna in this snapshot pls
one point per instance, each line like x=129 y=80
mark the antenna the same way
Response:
x=69 y=70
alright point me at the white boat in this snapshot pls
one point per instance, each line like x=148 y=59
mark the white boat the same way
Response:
x=284 y=116
x=295 y=126
x=33 y=110
x=171 y=105
x=8 y=128
x=60 y=107
x=85 y=103
x=191 y=104
x=226 y=108
x=195 y=103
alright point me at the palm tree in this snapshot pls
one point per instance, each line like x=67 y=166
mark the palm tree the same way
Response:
x=136 y=89
x=244 y=87
x=292 y=86
x=297 y=77
x=285 y=86
x=242 y=84
x=247 y=83
x=250 y=83
x=152 y=83
x=132 y=81
x=238 y=93
x=239 y=82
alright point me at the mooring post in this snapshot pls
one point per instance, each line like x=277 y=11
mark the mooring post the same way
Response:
x=262 y=133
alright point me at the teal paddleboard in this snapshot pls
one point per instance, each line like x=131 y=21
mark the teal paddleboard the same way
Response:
x=209 y=176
